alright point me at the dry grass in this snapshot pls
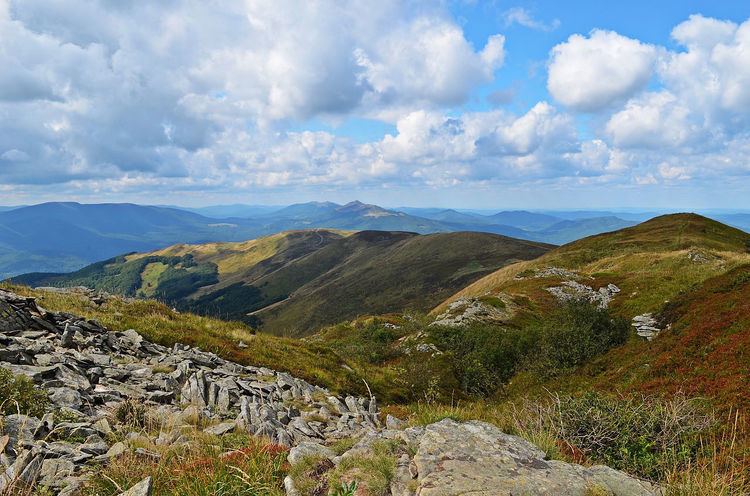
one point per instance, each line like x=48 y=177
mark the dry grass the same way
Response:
x=230 y=465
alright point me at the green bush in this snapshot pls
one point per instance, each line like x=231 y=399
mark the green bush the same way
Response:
x=484 y=357
x=19 y=395
x=640 y=435
x=574 y=334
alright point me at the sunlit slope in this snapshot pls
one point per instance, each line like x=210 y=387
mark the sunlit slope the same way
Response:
x=295 y=282
x=375 y=272
x=651 y=263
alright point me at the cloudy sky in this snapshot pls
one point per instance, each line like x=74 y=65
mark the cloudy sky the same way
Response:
x=466 y=104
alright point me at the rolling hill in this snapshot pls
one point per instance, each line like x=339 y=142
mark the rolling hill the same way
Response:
x=650 y=263
x=63 y=237
x=295 y=282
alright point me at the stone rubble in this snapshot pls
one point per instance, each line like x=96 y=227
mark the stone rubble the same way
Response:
x=572 y=290
x=552 y=272
x=449 y=458
x=89 y=370
x=465 y=311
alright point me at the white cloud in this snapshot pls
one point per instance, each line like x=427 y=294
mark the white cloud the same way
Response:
x=589 y=74
x=522 y=17
x=135 y=87
x=216 y=96
x=653 y=120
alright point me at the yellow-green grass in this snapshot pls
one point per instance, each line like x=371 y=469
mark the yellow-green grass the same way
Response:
x=231 y=465
x=313 y=362
x=231 y=257
x=150 y=278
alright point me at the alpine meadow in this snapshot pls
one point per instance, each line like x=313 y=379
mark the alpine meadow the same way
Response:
x=334 y=248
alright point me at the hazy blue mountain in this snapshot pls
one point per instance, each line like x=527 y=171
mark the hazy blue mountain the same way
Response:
x=634 y=216
x=571 y=230
x=448 y=215
x=232 y=211
x=5 y=209
x=67 y=236
x=522 y=219
x=352 y=216
x=61 y=237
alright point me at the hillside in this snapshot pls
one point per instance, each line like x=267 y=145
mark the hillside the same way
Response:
x=706 y=352
x=63 y=237
x=295 y=282
x=650 y=263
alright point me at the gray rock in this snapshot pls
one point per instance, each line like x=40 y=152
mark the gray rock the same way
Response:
x=143 y=488
x=114 y=451
x=469 y=458
x=54 y=471
x=221 y=429
x=309 y=449
x=392 y=422
x=66 y=397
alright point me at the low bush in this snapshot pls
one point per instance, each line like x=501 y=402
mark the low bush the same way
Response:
x=483 y=356
x=573 y=335
x=640 y=435
x=19 y=395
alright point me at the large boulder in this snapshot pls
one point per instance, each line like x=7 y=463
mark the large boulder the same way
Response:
x=477 y=458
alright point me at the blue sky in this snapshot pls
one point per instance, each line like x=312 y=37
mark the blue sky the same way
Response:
x=546 y=104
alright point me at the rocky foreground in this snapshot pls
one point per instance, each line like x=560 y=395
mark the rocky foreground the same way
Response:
x=90 y=372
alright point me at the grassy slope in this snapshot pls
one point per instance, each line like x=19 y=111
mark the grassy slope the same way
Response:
x=376 y=272
x=298 y=281
x=705 y=353
x=650 y=262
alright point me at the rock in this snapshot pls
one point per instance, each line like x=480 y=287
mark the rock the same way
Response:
x=646 y=326
x=195 y=392
x=289 y=487
x=94 y=445
x=468 y=458
x=220 y=429
x=143 y=488
x=114 y=451
x=309 y=449
x=573 y=290
x=65 y=397
x=392 y=422
x=54 y=471
x=68 y=336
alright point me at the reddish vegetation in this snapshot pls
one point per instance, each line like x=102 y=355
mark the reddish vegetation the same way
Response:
x=707 y=351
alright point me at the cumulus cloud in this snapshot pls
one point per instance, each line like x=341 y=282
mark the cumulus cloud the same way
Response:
x=141 y=87
x=652 y=120
x=215 y=96
x=591 y=73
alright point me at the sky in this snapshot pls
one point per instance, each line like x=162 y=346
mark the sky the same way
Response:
x=463 y=104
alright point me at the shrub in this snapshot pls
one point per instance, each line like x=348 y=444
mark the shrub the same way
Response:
x=19 y=395
x=484 y=356
x=637 y=434
x=574 y=334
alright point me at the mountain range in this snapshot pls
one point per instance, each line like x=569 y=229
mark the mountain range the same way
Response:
x=63 y=237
